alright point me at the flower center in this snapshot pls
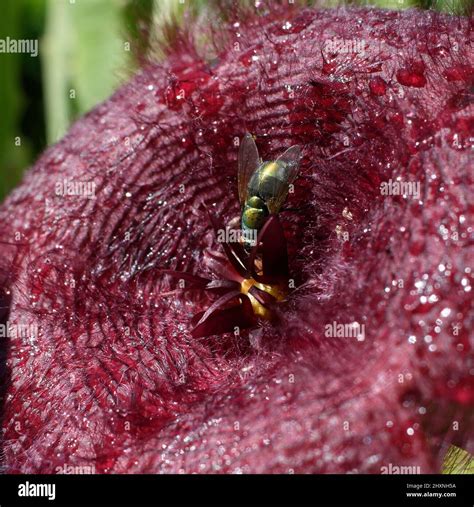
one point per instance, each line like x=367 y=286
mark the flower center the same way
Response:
x=259 y=309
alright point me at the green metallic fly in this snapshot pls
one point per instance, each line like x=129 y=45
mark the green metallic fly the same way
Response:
x=263 y=186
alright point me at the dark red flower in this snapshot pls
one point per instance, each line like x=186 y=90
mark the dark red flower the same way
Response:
x=114 y=378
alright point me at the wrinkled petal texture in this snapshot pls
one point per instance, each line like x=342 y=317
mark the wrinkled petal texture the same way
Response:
x=115 y=380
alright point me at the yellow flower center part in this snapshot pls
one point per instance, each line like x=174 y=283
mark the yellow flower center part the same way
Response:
x=261 y=311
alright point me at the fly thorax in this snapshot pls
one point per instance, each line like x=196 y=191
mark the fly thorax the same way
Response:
x=268 y=177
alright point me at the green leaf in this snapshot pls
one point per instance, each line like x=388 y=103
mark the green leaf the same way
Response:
x=56 y=56
x=100 y=49
x=86 y=50
x=395 y=4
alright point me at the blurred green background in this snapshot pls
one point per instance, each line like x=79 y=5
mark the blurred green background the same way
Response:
x=86 y=49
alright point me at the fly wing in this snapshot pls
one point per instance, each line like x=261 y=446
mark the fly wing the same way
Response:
x=248 y=164
x=289 y=163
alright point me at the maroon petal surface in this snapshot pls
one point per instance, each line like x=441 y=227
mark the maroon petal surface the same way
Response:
x=229 y=313
x=271 y=252
x=113 y=378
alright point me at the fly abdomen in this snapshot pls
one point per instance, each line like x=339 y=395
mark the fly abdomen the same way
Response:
x=253 y=218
